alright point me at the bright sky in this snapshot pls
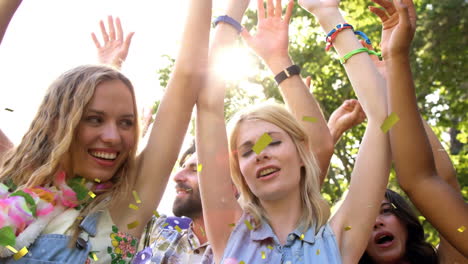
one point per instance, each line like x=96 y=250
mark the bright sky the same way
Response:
x=47 y=37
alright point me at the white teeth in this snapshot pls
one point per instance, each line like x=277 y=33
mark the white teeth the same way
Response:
x=267 y=171
x=104 y=155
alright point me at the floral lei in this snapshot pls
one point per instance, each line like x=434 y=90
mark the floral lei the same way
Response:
x=20 y=208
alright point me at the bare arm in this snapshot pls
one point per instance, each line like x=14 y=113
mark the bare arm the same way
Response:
x=271 y=43
x=7 y=10
x=220 y=207
x=370 y=174
x=415 y=166
x=170 y=125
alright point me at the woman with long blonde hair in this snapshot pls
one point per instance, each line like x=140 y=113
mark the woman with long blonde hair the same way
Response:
x=281 y=216
x=73 y=190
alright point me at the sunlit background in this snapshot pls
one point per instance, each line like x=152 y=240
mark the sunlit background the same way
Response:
x=47 y=37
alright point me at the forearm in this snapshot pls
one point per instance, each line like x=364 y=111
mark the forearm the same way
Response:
x=7 y=10
x=413 y=163
x=443 y=164
x=364 y=77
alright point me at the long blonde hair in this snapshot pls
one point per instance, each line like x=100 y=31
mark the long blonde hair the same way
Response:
x=315 y=208
x=35 y=161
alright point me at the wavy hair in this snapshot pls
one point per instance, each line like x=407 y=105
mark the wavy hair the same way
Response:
x=35 y=161
x=417 y=249
x=315 y=208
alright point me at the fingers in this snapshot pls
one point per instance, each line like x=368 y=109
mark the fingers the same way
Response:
x=96 y=41
x=270 y=9
x=105 y=37
x=260 y=10
x=289 y=10
x=403 y=14
x=379 y=12
x=388 y=5
x=278 y=9
x=128 y=40
x=110 y=22
x=119 y=29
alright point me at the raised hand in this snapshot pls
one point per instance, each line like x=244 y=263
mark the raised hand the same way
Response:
x=114 y=50
x=348 y=115
x=271 y=40
x=398 y=25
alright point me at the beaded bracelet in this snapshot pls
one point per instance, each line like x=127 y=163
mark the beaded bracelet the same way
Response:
x=229 y=20
x=356 y=51
x=334 y=32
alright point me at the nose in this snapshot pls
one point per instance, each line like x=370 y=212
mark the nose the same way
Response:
x=180 y=176
x=378 y=222
x=264 y=155
x=111 y=134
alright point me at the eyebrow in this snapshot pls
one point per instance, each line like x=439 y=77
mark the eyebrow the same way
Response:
x=249 y=143
x=102 y=113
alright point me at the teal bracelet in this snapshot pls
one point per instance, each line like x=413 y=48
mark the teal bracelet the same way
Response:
x=356 y=51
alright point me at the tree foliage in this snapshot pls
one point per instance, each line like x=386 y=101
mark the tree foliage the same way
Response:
x=439 y=64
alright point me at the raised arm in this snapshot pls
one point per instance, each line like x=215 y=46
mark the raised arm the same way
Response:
x=157 y=159
x=7 y=10
x=415 y=166
x=354 y=220
x=271 y=43
x=220 y=207
x=114 y=49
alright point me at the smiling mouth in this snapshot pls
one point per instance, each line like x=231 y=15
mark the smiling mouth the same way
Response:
x=183 y=191
x=109 y=156
x=267 y=172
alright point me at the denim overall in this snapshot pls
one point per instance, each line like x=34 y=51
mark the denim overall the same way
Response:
x=53 y=248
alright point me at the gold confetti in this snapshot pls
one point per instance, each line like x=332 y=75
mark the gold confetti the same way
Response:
x=263 y=255
x=347 y=228
x=156 y=214
x=318 y=252
x=232 y=225
x=461 y=229
x=132 y=225
x=12 y=249
x=9 y=109
x=393 y=206
x=93 y=255
x=97 y=180
x=270 y=247
x=262 y=143
x=389 y=122
x=134 y=207
x=247 y=223
x=20 y=253
x=79 y=218
x=302 y=237
x=241 y=262
x=309 y=119
x=137 y=198
x=178 y=228
x=91 y=194
x=203 y=231
x=199 y=167
x=165 y=224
